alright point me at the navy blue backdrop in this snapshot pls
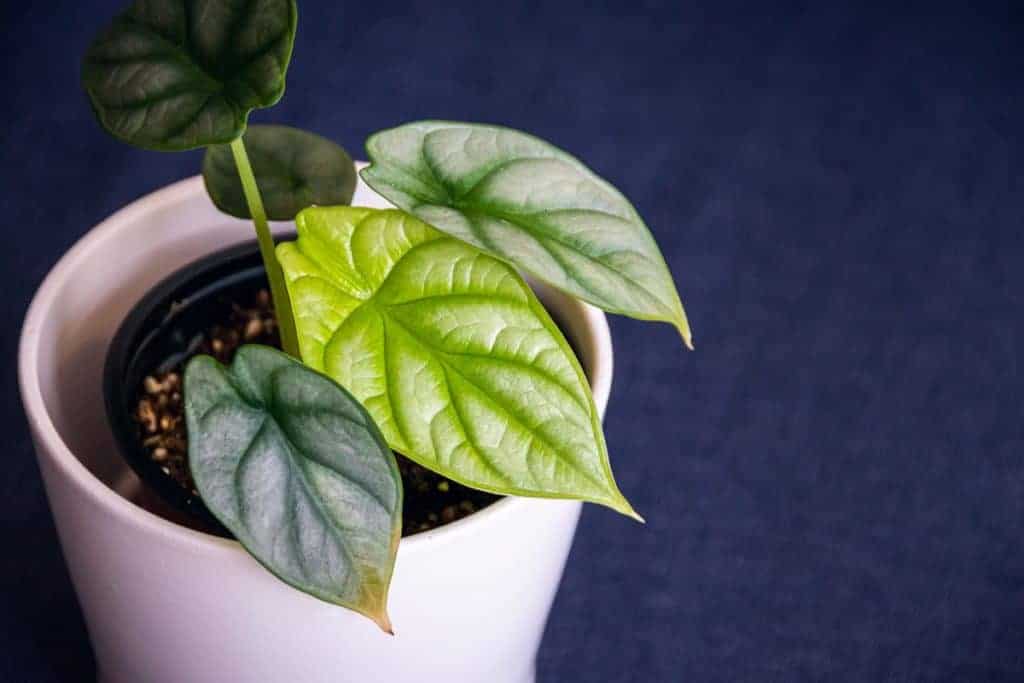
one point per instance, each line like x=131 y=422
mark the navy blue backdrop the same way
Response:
x=833 y=481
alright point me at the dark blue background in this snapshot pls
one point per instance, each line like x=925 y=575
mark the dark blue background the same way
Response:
x=833 y=481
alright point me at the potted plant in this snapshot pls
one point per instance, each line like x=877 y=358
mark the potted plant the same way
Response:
x=419 y=380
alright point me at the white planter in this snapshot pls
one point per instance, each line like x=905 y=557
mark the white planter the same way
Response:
x=164 y=603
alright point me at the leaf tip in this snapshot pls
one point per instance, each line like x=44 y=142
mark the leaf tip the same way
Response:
x=368 y=173
x=632 y=514
x=622 y=506
x=383 y=622
x=373 y=602
x=683 y=325
x=687 y=338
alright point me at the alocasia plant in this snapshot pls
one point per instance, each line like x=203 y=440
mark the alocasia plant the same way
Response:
x=414 y=329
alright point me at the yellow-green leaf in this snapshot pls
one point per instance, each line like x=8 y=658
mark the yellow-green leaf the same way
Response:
x=450 y=352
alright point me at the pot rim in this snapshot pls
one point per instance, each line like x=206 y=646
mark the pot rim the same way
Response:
x=597 y=350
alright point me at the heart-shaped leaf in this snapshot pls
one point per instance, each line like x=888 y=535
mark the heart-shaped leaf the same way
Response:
x=450 y=352
x=294 y=169
x=177 y=74
x=531 y=204
x=296 y=469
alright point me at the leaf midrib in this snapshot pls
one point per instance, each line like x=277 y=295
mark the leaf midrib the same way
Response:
x=183 y=56
x=295 y=468
x=469 y=208
x=448 y=367
x=433 y=348
x=314 y=459
x=381 y=309
x=522 y=221
x=180 y=51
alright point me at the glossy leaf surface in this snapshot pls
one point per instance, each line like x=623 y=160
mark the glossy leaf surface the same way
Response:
x=294 y=169
x=178 y=74
x=450 y=352
x=295 y=468
x=531 y=204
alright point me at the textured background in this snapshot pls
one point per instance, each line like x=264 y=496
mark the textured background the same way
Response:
x=833 y=480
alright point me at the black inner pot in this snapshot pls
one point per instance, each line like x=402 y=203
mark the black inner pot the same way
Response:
x=169 y=325
x=159 y=333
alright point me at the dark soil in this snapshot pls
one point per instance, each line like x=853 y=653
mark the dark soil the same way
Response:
x=430 y=501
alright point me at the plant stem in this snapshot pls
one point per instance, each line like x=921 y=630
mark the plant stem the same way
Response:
x=278 y=289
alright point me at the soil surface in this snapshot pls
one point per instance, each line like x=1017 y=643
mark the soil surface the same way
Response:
x=430 y=500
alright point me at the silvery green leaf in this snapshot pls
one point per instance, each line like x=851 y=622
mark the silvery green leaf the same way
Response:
x=296 y=469
x=532 y=205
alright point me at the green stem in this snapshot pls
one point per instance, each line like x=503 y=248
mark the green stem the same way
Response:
x=278 y=289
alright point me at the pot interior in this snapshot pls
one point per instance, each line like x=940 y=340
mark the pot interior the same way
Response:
x=160 y=333
x=145 y=362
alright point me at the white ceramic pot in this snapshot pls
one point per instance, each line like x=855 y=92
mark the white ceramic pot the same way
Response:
x=164 y=603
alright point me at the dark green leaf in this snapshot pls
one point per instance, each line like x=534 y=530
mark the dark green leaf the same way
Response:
x=294 y=169
x=450 y=352
x=177 y=74
x=531 y=204
x=296 y=469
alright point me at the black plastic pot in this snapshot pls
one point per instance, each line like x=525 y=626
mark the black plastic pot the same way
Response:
x=164 y=328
